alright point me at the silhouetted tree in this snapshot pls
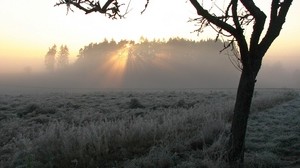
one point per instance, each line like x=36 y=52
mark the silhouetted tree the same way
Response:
x=231 y=22
x=50 y=58
x=63 y=57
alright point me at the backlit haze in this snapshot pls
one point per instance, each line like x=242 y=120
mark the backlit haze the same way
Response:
x=29 y=27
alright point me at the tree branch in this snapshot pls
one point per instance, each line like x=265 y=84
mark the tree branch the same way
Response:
x=221 y=22
x=235 y=16
x=146 y=5
x=258 y=26
x=104 y=8
x=274 y=9
x=213 y=19
x=252 y=8
x=276 y=22
x=111 y=7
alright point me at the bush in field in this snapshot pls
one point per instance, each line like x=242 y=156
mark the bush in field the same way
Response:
x=135 y=103
x=32 y=110
x=183 y=104
x=28 y=109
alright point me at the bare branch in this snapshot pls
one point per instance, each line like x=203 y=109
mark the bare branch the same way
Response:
x=222 y=23
x=235 y=18
x=146 y=5
x=278 y=15
x=252 y=8
x=234 y=54
x=258 y=25
x=111 y=8
x=213 y=19
x=274 y=9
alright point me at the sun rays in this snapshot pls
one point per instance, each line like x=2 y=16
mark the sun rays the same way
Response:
x=131 y=60
x=115 y=67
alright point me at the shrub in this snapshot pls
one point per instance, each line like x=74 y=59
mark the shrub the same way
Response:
x=33 y=110
x=135 y=103
x=28 y=109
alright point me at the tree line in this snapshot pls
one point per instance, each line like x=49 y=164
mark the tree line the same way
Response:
x=179 y=48
x=146 y=48
x=57 y=59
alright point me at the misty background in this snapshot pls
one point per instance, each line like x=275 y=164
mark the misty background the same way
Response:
x=156 y=64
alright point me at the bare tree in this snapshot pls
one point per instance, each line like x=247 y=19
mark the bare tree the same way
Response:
x=231 y=22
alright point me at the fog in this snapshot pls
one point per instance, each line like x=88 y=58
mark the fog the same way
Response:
x=173 y=64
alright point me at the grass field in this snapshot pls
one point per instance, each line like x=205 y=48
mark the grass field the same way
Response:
x=143 y=128
x=274 y=136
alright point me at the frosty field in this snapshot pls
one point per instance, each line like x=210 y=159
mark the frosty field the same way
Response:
x=145 y=128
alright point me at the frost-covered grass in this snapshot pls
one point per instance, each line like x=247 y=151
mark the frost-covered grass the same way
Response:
x=273 y=137
x=180 y=128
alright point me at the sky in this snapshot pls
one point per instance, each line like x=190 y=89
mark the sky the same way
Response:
x=29 y=27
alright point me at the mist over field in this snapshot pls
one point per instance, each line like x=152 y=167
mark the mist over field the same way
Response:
x=176 y=63
x=147 y=104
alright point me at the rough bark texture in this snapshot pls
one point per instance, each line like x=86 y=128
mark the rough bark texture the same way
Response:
x=240 y=117
x=252 y=61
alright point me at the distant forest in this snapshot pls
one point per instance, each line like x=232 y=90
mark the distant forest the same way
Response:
x=176 y=62
x=145 y=49
x=172 y=63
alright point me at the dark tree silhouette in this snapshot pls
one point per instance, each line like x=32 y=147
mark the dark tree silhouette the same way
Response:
x=111 y=8
x=50 y=58
x=252 y=51
x=232 y=21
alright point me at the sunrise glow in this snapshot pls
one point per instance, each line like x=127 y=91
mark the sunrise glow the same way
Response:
x=116 y=66
x=29 y=28
x=149 y=83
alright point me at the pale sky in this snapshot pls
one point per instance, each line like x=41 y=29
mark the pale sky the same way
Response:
x=29 y=27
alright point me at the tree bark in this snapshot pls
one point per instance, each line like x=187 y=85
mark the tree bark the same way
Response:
x=241 y=113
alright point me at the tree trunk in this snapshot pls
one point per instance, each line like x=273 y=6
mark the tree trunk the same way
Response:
x=240 y=117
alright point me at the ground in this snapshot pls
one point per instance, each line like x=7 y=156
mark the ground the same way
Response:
x=274 y=135
x=185 y=128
